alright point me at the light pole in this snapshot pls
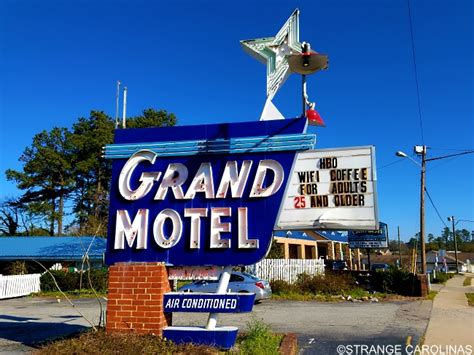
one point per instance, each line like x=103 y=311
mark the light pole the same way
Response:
x=421 y=151
x=451 y=219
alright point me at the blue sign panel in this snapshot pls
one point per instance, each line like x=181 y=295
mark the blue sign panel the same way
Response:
x=212 y=303
x=221 y=337
x=199 y=195
x=376 y=239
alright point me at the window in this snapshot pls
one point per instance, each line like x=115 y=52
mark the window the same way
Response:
x=236 y=278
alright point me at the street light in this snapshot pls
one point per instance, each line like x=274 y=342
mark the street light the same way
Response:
x=421 y=151
x=451 y=219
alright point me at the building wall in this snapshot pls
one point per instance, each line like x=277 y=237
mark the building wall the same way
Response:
x=314 y=249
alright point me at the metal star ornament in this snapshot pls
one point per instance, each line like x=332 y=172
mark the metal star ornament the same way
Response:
x=273 y=52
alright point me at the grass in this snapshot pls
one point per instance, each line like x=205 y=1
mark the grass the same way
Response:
x=84 y=293
x=467 y=281
x=258 y=340
x=100 y=343
x=442 y=278
x=470 y=299
x=432 y=295
x=295 y=295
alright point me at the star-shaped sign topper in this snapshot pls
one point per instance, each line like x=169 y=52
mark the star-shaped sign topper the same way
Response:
x=273 y=51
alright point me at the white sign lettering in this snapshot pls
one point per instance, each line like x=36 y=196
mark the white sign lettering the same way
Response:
x=174 y=178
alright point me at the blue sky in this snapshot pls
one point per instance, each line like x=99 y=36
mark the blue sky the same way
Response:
x=60 y=60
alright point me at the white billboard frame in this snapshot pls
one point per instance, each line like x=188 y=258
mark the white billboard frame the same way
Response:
x=346 y=218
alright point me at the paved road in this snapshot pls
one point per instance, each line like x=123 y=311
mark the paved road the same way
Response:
x=26 y=321
x=320 y=327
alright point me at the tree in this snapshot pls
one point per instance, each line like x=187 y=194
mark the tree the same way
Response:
x=464 y=235
x=9 y=218
x=62 y=165
x=413 y=242
x=92 y=172
x=276 y=251
x=152 y=118
x=439 y=243
x=46 y=175
x=446 y=236
x=393 y=247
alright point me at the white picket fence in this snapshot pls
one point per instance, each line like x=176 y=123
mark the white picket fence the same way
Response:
x=286 y=269
x=19 y=285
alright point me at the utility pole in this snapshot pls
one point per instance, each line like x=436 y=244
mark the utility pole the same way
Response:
x=455 y=243
x=124 y=113
x=117 y=97
x=399 y=248
x=422 y=151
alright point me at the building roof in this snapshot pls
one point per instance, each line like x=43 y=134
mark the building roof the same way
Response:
x=51 y=248
x=329 y=235
x=293 y=234
x=334 y=236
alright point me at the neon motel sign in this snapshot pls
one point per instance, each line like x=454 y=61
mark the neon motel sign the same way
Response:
x=175 y=176
x=200 y=195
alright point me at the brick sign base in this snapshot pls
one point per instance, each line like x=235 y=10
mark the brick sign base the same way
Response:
x=135 y=300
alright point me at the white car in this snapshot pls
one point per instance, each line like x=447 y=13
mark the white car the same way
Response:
x=240 y=282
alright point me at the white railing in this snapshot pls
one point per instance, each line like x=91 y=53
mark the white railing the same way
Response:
x=19 y=285
x=286 y=269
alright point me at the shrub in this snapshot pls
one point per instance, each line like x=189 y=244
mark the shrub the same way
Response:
x=130 y=343
x=330 y=283
x=280 y=286
x=260 y=340
x=441 y=278
x=393 y=280
x=99 y=279
x=69 y=281
x=17 y=268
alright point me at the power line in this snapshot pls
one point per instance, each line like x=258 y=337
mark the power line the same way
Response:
x=449 y=158
x=389 y=164
x=452 y=149
x=450 y=155
x=432 y=203
x=416 y=73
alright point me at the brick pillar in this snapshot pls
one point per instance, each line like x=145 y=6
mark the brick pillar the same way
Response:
x=135 y=299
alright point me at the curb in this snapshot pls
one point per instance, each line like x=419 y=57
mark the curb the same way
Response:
x=289 y=344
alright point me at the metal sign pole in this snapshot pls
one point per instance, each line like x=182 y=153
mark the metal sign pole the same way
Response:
x=368 y=259
x=221 y=289
x=304 y=94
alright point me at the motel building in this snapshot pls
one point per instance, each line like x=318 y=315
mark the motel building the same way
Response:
x=330 y=245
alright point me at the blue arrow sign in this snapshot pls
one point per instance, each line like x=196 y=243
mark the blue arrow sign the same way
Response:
x=205 y=302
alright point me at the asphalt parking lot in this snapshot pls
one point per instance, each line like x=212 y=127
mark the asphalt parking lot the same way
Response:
x=27 y=321
x=320 y=327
